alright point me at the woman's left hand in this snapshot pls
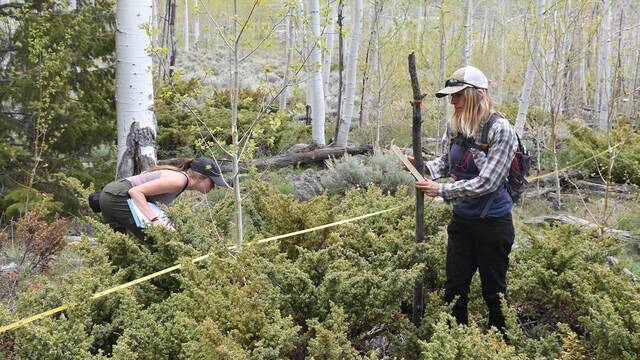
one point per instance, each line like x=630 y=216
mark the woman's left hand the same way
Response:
x=428 y=187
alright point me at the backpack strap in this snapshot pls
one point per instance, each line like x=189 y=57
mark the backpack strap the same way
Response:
x=484 y=139
x=185 y=184
x=484 y=146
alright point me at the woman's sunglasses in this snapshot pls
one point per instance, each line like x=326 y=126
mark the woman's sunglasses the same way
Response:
x=456 y=82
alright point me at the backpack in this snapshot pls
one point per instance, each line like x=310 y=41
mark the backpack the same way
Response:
x=94 y=201
x=520 y=165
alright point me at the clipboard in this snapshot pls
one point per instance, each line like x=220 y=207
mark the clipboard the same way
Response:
x=416 y=174
x=139 y=218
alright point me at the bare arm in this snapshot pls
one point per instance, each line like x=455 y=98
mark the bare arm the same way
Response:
x=168 y=182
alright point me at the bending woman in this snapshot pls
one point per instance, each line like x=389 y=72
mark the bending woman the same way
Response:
x=160 y=184
x=481 y=230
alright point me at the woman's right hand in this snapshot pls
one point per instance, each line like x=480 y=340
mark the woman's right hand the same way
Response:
x=163 y=222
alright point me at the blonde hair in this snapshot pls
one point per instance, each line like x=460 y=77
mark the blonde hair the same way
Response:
x=477 y=106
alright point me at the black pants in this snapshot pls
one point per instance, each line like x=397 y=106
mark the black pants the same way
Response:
x=482 y=244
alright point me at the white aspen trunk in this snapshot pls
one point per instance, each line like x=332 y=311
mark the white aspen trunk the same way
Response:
x=378 y=65
x=485 y=30
x=567 y=71
x=352 y=69
x=317 y=92
x=134 y=89
x=73 y=5
x=468 y=31
x=525 y=93
x=582 y=80
x=331 y=39
x=604 y=66
x=288 y=48
x=196 y=25
x=502 y=67
x=635 y=71
x=234 y=89
x=186 y=25
x=619 y=80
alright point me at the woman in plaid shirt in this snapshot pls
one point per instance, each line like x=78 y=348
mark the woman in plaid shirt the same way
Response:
x=481 y=229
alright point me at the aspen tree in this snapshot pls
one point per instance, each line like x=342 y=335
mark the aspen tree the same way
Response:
x=352 y=69
x=134 y=88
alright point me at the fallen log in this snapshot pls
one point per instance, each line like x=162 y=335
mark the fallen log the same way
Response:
x=574 y=220
x=297 y=155
x=612 y=188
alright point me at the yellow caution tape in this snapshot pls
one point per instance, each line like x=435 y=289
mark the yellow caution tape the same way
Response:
x=100 y=294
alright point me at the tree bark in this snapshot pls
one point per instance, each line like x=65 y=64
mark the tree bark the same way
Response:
x=352 y=70
x=340 y=69
x=416 y=131
x=134 y=88
x=468 y=31
x=378 y=65
x=317 y=92
x=172 y=38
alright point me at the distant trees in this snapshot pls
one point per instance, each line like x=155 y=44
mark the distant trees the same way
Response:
x=532 y=52
x=56 y=95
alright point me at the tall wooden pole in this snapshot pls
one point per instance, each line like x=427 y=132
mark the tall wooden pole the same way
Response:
x=416 y=131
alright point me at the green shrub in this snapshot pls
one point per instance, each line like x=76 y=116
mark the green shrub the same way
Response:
x=189 y=122
x=341 y=292
x=382 y=170
x=563 y=277
x=586 y=143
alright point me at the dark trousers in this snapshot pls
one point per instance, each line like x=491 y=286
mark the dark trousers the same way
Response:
x=115 y=210
x=482 y=244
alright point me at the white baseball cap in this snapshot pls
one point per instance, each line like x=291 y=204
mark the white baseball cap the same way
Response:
x=462 y=79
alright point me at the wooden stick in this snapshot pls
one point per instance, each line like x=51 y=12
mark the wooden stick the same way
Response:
x=418 y=295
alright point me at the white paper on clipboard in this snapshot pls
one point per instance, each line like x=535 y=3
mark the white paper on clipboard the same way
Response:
x=396 y=150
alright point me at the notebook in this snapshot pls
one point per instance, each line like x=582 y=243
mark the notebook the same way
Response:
x=140 y=218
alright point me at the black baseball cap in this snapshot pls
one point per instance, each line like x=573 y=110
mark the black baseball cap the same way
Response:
x=210 y=169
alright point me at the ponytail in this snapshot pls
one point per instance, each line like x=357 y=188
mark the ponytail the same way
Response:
x=184 y=166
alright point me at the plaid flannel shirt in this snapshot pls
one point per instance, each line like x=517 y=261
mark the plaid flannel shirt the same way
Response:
x=494 y=165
